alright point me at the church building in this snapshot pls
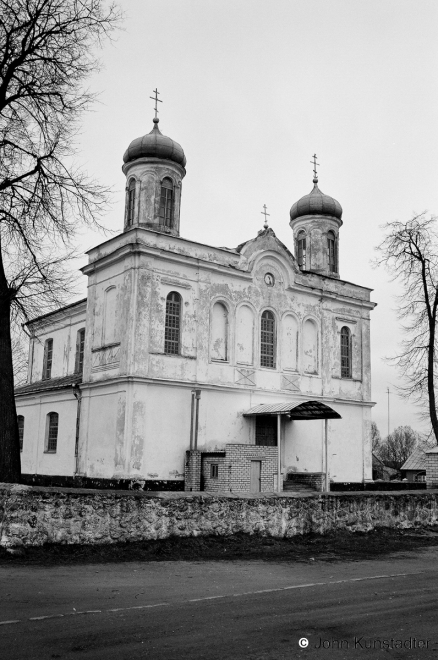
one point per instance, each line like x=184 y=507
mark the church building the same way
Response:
x=241 y=369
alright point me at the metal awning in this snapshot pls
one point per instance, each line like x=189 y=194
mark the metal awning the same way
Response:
x=305 y=410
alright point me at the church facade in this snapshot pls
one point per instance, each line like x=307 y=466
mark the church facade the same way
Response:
x=201 y=367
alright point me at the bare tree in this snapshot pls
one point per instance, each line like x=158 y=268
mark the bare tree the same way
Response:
x=19 y=356
x=46 y=54
x=398 y=446
x=410 y=253
x=376 y=438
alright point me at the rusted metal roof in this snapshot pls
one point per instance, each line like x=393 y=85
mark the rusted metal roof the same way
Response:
x=49 y=384
x=305 y=410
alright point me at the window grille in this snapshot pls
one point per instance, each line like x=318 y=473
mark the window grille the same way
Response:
x=331 y=246
x=166 y=203
x=20 y=422
x=80 y=343
x=267 y=340
x=301 y=250
x=52 y=432
x=345 y=353
x=131 y=201
x=214 y=470
x=48 y=355
x=172 y=324
x=266 y=430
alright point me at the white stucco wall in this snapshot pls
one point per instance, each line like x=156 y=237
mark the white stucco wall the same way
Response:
x=34 y=458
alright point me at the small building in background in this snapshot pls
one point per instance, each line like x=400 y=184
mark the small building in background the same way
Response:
x=414 y=468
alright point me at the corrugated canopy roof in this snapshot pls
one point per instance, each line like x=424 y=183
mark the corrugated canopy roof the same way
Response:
x=305 y=410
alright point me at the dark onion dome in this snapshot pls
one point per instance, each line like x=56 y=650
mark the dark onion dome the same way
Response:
x=155 y=145
x=316 y=203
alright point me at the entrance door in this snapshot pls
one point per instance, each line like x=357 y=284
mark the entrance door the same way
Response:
x=266 y=430
x=256 y=476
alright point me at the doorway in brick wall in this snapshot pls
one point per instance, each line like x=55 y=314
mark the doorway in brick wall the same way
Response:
x=256 y=476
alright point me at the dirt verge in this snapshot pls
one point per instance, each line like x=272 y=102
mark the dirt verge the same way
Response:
x=330 y=547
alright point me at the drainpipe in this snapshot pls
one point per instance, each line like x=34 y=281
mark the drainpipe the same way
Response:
x=279 y=484
x=198 y=396
x=192 y=418
x=327 y=482
x=78 y=395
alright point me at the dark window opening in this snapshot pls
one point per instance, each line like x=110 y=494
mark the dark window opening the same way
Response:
x=267 y=340
x=52 y=432
x=345 y=353
x=166 y=203
x=266 y=430
x=301 y=243
x=131 y=201
x=80 y=343
x=48 y=355
x=214 y=470
x=20 y=422
x=172 y=324
x=331 y=246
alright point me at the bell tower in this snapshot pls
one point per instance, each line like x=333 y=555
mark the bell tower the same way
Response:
x=154 y=166
x=315 y=221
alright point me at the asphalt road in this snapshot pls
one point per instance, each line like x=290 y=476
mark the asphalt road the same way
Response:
x=258 y=610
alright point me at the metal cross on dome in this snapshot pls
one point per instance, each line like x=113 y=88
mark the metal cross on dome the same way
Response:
x=157 y=100
x=314 y=163
x=265 y=213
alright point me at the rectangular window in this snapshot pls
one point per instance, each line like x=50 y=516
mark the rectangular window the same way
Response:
x=20 y=422
x=214 y=470
x=266 y=430
x=48 y=355
x=80 y=343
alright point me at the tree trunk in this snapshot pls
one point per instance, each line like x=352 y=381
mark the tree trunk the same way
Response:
x=431 y=382
x=10 y=469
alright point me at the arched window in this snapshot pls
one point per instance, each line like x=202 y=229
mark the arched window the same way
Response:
x=166 y=203
x=52 y=432
x=331 y=248
x=48 y=356
x=80 y=342
x=267 y=340
x=109 y=316
x=289 y=343
x=219 y=332
x=131 y=202
x=20 y=422
x=301 y=244
x=172 y=324
x=310 y=347
x=245 y=335
x=346 y=353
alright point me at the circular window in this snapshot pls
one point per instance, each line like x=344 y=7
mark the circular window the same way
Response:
x=269 y=279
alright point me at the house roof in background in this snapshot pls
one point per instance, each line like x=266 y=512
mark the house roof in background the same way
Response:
x=416 y=461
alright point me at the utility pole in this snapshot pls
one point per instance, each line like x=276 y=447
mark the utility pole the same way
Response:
x=387 y=389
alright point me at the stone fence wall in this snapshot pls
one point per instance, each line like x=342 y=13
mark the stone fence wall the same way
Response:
x=35 y=515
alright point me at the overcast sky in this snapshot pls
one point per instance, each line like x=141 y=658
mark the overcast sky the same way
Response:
x=251 y=89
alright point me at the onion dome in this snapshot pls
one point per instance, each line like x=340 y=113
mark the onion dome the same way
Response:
x=155 y=145
x=316 y=203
